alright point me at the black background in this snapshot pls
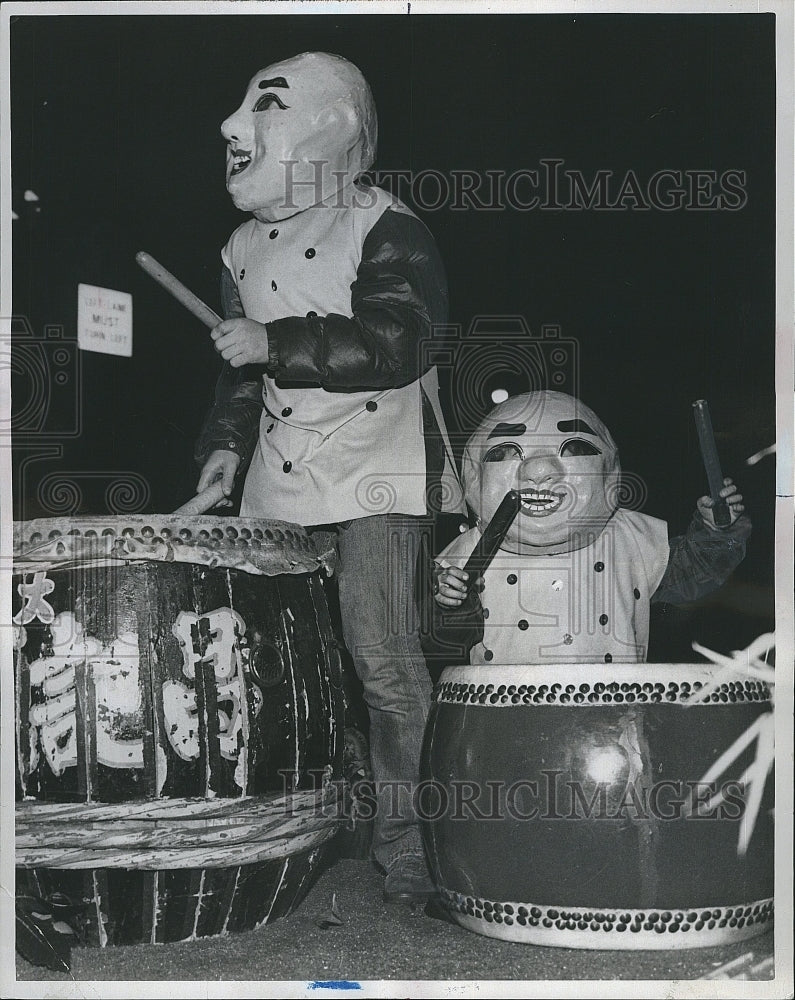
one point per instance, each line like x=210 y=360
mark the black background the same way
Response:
x=115 y=126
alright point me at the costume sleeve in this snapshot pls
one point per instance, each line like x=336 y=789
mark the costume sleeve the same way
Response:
x=701 y=560
x=399 y=292
x=457 y=630
x=233 y=420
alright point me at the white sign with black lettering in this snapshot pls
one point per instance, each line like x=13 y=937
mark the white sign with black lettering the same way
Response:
x=104 y=320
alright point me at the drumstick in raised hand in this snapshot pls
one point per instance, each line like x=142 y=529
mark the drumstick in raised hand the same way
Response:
x=709 y=454
x=182 y=294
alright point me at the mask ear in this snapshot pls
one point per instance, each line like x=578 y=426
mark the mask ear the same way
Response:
x=470 y=477
x=336 y=138
x=613 y=484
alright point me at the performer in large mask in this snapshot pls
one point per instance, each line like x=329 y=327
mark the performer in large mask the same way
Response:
x=576 y=573
x=330 y=291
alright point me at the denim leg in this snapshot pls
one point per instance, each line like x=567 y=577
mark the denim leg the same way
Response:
x=378 y=557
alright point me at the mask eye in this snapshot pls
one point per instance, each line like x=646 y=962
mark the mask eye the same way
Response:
x=503 y=452
x=576 y=447
x=268 y=100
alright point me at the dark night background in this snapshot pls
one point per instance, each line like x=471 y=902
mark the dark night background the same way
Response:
x=115 y=126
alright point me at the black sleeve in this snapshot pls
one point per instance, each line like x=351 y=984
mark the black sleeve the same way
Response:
x=400 y=292
x=701 y=560
x=233 y=420
x=454 y=631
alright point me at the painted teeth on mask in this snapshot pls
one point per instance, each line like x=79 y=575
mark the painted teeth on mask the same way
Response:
x=539 y=499
x=239 y=162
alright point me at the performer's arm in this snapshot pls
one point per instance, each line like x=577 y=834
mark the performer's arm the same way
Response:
x=399 y=293
x=704 y=557
x=457 y=620
x=233 y=420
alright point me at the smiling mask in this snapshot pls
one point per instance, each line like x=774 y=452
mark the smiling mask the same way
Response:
x=562 y=459
x=306 y=128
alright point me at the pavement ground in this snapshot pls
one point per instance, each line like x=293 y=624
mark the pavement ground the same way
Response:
x=343 y=932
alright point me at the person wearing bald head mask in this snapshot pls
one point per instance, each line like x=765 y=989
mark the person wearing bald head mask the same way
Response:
x=324 y=402
x=306 y=130
x=575 y=573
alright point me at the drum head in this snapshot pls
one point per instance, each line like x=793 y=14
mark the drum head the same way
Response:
x=252 y=545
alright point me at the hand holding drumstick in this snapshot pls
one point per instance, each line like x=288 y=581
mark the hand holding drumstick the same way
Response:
x=452 y=584
x=217 y=478
x=239 y=341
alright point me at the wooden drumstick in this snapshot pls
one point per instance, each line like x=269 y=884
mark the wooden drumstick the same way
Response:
x=173 y=285
x=709 y=454
x=493 y=535
x=203 y=501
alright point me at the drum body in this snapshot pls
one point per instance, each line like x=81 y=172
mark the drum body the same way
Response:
x=601 y=806
x=179 y=718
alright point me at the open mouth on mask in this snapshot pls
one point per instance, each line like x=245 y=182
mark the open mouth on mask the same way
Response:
x=240 y=160
x=535 y=502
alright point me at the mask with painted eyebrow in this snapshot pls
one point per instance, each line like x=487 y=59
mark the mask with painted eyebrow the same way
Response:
x=310 y=133
x=568 y=471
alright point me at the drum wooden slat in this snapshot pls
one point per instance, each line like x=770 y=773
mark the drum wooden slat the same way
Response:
x=116 y=906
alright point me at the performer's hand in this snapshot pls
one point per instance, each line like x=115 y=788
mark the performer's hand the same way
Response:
x=241 y=341
x=734 y=502
x=450 y=586
x=221 y=465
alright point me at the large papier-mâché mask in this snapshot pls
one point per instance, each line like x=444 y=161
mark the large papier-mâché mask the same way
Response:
x=306 y=128
x=562 y=459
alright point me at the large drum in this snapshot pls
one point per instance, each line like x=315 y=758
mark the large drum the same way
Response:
x=601 y=806
x=179 y=717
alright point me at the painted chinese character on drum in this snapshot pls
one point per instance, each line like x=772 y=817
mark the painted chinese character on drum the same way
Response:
x=179 y=723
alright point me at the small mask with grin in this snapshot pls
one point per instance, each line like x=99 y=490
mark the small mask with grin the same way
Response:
x=562 y=460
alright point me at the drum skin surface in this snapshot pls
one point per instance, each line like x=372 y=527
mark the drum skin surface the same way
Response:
x=599 y=806
x=179 y=723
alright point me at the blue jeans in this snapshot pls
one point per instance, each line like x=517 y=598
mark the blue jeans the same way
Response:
x=376 y=578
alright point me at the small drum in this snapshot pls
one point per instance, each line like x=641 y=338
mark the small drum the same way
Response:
x=601 y=806
x=179 y=722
